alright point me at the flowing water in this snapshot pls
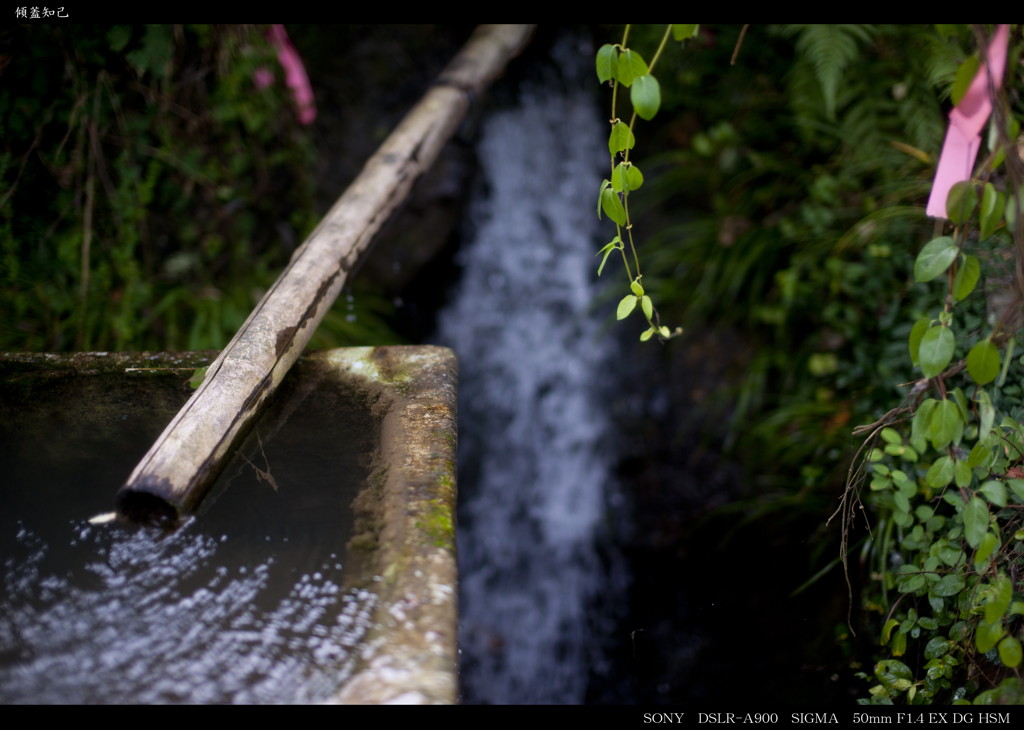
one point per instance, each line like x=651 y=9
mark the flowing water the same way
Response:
x=246 y=604
x=534 y=456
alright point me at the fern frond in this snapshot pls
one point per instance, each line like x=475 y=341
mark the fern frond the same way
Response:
x=830 y=49
x=943 y=54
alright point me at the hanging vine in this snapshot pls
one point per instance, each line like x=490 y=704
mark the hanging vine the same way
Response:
x=622 y=67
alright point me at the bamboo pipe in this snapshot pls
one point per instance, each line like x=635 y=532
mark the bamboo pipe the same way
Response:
x=176 y=473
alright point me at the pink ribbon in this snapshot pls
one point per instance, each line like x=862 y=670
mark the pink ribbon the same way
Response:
x=294 y=74
x=968 y=118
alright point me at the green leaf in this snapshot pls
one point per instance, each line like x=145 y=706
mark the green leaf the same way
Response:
x=936 y=350
x=993 y=203
x=945 y=426
x=647 y=334
x=636 y=287
x=646 y=96
x=634 y=177
x=964 y=76
x=621 y=138
x=900 y=450
x=987 y=634
x=612 y=206
x=894 y=674
x=626 y=306
x=962 y=474
x=1010 y=344
x=612 y=245
x=978 y=456
x=600 y=197
x=949 y=554
x=607 y=56
x=995 y=492
x=920 y=427
x=975 y=516
x=948 y=585
x=682 y=31
x=961 y=403
x=986 y=414
x=899 y=644
x=940 y=474
x=966 y=277
x=983 y=362
x=935 y=258
x=902 y=519
x=1009 y=651
x=999 y=156
x=955 y=499
x=630 y=66
x=916 y=333
x=197 y=378
x=887 y=630
x=626 y=177
x=986 y=547
x=962 y=200
x=909 y=579
x=647 y=306
x=891 y=436
x=999 y=600
x=936 y=647
x=1014 y=204
x=620 y=182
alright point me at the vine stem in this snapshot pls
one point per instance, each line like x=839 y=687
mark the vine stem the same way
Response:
x=615 y=92
x=661 y=47
x=629 y=233
x=621 y=186
x=622 y=250
x=632 y=123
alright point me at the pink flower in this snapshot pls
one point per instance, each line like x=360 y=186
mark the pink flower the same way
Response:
x=294 y=74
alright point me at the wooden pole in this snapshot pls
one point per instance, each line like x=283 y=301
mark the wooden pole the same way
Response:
x=177 y=472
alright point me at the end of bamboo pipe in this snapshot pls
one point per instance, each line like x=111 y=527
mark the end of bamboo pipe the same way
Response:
x=142 y=507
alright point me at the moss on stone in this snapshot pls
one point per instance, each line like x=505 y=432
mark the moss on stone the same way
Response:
x=437 y=524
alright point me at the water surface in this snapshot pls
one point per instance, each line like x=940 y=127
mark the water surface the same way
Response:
x=246 y=603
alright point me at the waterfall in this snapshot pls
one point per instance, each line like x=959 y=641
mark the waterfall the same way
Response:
x=534 y=457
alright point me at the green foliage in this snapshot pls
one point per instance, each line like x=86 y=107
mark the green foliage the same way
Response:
x=798 y=204
x=949 y=534
x=149 y=191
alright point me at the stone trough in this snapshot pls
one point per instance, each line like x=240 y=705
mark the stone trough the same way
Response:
x=368 y=432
